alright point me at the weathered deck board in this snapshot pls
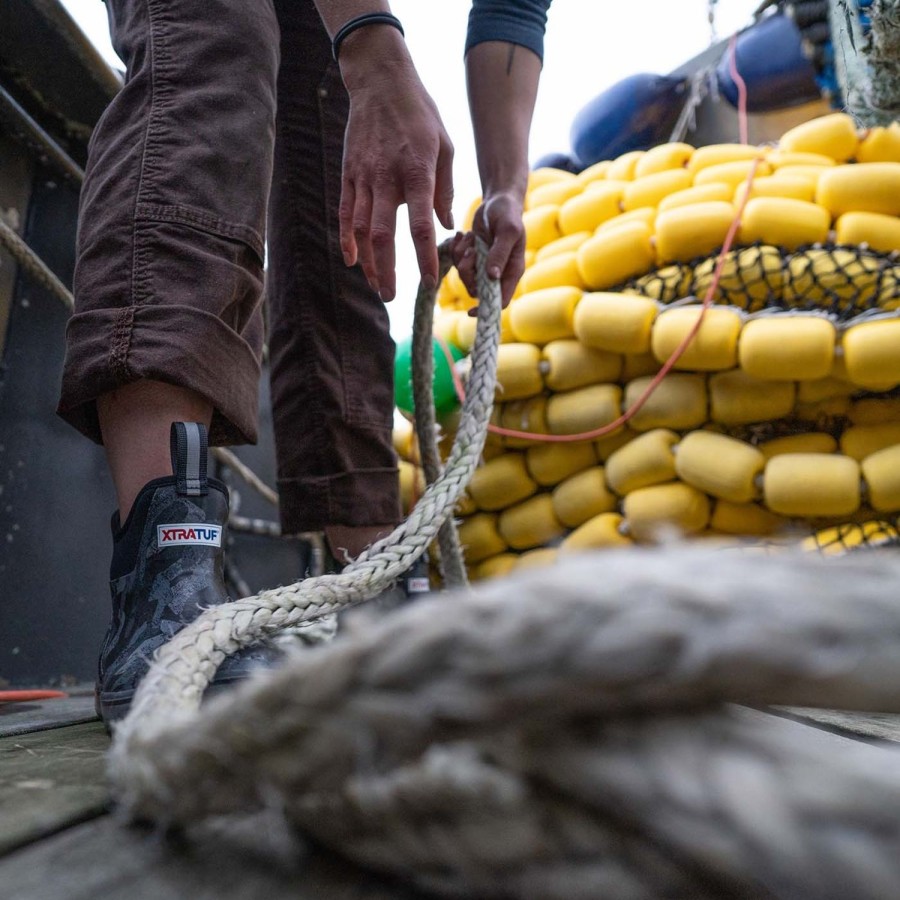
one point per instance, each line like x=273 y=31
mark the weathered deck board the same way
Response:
x=50 y=779
x=256 y=859
x=22 y=718
x=883 y=726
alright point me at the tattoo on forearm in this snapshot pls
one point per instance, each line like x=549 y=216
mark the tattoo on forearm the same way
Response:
x=512 y=53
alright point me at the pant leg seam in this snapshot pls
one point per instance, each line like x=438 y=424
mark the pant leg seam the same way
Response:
x=353 y=409
x=137 y=258
x=197 y=218
x=120 y=345
x=141 y=281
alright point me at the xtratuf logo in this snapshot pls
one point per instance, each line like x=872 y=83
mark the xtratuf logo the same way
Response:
x=189 y=533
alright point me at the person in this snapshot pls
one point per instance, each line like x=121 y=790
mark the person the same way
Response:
x=279 y=136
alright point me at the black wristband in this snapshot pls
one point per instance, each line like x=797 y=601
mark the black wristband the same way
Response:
x=375 y=18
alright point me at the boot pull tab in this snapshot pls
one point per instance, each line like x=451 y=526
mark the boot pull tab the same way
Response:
x=189 y=445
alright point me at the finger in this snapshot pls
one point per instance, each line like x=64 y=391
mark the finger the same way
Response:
x=345 y=214
x=443 y=184
x=455 y=242
x=362 y=224
x=467 y=273
x=420 y=200
x=505 y=238
x=384 y=229
x=512 y=274
x=509 y=282
x=463 y=245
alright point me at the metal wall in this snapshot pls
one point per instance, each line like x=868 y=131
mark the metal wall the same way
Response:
x=55 y=494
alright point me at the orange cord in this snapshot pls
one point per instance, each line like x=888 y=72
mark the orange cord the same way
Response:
x=30 y=696
x=604 y=430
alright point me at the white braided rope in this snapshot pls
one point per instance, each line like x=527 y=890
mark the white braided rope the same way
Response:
x=186 y=665
x=569 y=733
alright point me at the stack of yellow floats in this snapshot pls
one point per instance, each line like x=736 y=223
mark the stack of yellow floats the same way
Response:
x=780 y=419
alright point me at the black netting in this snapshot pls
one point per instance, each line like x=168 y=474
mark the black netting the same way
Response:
x=873 y=534
x=833 y=418
x=842 y=280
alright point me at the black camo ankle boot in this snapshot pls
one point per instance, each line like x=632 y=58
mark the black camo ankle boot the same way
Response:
x=167 y=567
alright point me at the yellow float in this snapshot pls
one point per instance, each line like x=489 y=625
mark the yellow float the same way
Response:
x=779 y=419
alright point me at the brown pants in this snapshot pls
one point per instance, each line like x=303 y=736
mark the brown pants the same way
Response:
x=229 y=106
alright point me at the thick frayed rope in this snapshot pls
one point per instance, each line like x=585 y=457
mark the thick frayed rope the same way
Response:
x=570 y=732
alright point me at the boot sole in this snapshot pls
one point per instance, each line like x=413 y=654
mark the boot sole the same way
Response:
x=113 y=706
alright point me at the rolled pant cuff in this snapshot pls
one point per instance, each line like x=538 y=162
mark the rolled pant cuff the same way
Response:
x=119 y=346
x=361 y=497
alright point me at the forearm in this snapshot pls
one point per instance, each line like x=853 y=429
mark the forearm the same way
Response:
x=502 y=82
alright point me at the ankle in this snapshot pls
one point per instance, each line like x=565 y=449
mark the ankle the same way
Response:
x=135 y=421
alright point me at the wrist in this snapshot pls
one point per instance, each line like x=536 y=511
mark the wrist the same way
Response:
x=365 y=20
x=512 y=185
x=372 y=53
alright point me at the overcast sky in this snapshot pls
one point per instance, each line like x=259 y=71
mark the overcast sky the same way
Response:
x=590 y=45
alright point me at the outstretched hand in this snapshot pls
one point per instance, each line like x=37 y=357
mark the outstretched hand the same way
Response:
x=396 y=151
x=498 y=222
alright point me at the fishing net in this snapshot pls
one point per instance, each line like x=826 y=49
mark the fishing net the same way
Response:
x=842 y=280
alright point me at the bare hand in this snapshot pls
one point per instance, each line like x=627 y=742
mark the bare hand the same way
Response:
x=396 y=151
x=498 y=222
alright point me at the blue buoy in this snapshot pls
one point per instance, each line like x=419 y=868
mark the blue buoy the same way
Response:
x=557 y=161
x=636 y=113
x=771 y=61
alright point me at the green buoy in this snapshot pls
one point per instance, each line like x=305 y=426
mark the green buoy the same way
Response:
x=443 y=389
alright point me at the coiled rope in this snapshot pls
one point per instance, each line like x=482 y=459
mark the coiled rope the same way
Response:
x=570 y=733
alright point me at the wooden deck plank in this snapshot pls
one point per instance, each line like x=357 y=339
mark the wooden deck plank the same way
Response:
x=21 y=718
x=251 y=858
x=50 y=779
x=883 y=726
x=255 y=859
